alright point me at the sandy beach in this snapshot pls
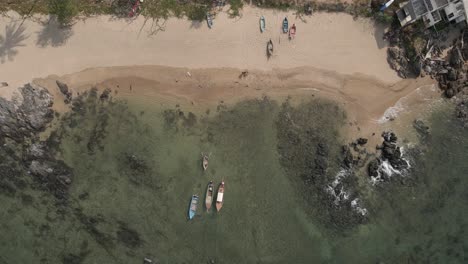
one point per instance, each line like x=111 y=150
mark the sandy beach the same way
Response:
x=334 y=42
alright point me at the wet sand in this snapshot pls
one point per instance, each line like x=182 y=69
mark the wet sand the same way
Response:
x=365 y=99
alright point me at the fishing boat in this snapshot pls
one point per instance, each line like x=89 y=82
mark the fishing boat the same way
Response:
x=209 y=195
x=285 y=25
x=205 y=159
x=209 y=20
x=193 y=207
x=269 y=48
x=262 y=24
x=220 y=197
x=292 y=31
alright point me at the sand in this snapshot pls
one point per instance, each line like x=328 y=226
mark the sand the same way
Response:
x=333 y=42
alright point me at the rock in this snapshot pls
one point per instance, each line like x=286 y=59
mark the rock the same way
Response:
x=421 y=128
x=428 y=69
x=3 y=84
x=20 y=120
x=36 y=151
x=63 y=87
x=361 y=141
x=461 y=111
x=449 y=93
x=452 y=75
x=129 y=237
x=373 y=168
x=105 y=94
x=52 y=175
x=394 y=53
x=65 y=91
x=443 y=71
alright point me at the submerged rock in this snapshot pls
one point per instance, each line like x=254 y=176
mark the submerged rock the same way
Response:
x=129 y=237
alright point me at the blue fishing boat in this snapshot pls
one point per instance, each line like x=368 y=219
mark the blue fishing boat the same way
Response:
x=193 y=207
x=285 y=25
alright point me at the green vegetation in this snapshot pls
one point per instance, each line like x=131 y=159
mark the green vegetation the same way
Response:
x=64 y=10
x=236 y=6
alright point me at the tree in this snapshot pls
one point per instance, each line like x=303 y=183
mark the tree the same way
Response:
x=64 y=10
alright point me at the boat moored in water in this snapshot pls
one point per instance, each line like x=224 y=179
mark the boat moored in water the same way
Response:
x=220 y=197
x=205 y=162
x=209 y=195
x=193 y=207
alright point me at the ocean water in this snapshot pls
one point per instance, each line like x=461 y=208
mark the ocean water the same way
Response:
x=136 y=165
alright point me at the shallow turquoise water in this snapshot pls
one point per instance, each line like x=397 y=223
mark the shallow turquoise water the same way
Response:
x=136 y=166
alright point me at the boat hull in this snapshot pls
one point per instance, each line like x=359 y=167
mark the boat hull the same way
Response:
x=193 y=207
x=262 y=24
x=285 y=25
x=220 y=197
x=209 y=196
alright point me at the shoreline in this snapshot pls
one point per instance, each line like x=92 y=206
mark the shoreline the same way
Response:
x=364 y=99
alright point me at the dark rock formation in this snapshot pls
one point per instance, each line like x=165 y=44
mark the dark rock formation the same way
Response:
x=361 y=141
x=65 y=91
x=461 y=110
x=391 y=153
x=421 y=128
x=20 y=120
x=129 y=237
x=398 y=61
x=52 y=175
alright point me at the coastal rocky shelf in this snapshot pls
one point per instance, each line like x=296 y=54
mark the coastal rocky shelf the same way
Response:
x=22 y=119
x=450 y=71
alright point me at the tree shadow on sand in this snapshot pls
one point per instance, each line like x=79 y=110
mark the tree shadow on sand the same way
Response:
x=14 y=37
x=53 y=34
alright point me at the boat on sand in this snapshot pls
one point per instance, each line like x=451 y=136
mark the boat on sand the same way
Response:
x=193 y=207
x=209 y=195
x=209 y=20
x=262 y=24
x=285 y=25
x=269 y=48
x=220 y=197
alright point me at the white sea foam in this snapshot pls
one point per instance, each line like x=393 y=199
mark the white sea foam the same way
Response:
x=344 y=195
x=386 y=169
x=391 y=112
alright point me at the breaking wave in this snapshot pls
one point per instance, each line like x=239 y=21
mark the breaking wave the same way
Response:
x=338 y=191
x=386 y=170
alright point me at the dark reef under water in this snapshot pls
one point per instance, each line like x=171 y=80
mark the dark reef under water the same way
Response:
x=112 y=183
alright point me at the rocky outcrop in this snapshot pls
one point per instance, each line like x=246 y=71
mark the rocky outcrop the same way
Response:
x=63 y=87
x=390 y=160
x=398 y=61
x=20 y=120
x=461 y=110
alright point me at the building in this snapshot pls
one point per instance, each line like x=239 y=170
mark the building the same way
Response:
x=432 y=11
